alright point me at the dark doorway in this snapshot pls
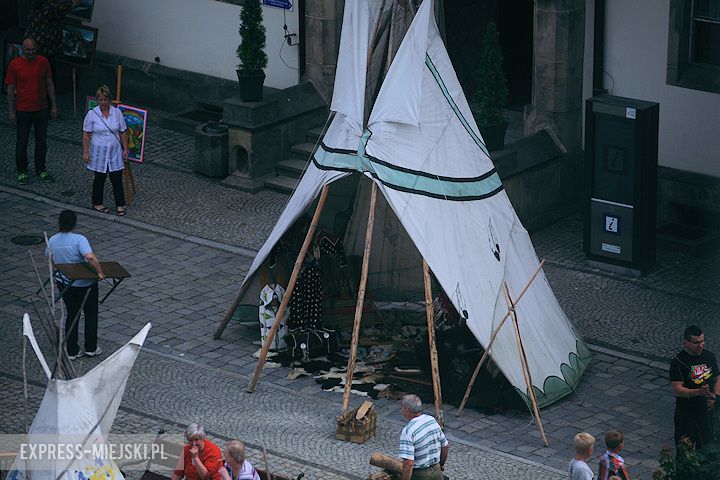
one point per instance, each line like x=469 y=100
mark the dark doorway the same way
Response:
x=465 y=22
x=515 y=24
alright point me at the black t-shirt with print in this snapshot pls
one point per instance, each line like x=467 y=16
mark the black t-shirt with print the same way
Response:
x=694 y=372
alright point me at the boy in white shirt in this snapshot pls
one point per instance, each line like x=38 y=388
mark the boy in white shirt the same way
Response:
x=578 y=468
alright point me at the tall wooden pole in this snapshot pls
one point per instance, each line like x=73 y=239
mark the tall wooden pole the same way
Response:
x=288 y=293
x=360 y=301
x=524 y=364
x=492 y=339
x=432 y=344
x=118 y=84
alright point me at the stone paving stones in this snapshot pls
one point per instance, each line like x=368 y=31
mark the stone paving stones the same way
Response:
x=185 y=286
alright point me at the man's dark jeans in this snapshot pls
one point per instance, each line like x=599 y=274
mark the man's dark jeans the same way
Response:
x=39 y=121
x=73 y=299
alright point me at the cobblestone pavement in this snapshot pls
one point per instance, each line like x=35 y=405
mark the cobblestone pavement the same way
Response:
x=187 y=261
x=168 y=193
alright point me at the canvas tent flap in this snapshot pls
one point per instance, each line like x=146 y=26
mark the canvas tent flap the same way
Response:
x=305 y=194
x=400 y=95
x=28 y=332
x=81 y=410
x=352 y=62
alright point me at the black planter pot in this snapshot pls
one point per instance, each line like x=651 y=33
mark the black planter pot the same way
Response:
x=251 y=85
x=494 y=135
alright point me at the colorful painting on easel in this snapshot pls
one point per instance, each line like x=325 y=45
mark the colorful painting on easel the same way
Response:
x=136 y=121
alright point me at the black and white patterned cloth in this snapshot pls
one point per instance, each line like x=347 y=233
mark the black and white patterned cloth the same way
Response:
x=306 y=300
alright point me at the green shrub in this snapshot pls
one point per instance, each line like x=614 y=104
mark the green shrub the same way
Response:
x=689 y=464
x=491 y=93
x=252 y=38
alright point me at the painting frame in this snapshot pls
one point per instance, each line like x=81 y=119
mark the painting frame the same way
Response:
x=11 y=50
x=78 y=44
x=136 y=122
x=83 y=11
x=90 y=102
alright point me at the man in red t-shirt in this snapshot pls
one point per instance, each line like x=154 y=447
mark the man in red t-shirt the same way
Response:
x=29 y=82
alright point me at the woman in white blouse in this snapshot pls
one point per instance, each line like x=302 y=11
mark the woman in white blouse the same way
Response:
x=105 y=149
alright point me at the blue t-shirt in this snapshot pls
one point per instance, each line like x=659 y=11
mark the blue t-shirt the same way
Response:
x=68 y=247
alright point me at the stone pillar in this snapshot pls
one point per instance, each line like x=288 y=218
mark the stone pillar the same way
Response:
x=558 y=47
x=323 y=21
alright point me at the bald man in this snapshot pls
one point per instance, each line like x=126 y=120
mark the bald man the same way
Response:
x=29 y=87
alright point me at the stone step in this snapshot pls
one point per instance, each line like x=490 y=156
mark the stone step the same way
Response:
x=292 y=167
x=313 y=134
x=302 y=151
x=281 y=184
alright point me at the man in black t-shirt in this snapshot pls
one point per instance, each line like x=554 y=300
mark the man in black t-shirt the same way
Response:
x=693 y=375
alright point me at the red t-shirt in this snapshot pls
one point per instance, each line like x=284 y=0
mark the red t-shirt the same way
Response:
x=210 y=456
x=30 y=80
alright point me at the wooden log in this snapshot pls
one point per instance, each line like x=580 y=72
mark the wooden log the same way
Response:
x=386 y=462
x=381 y=475
x=360 y=300
x=435 y=370
x=288 y=293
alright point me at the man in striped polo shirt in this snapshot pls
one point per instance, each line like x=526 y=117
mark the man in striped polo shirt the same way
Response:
x=423 y=446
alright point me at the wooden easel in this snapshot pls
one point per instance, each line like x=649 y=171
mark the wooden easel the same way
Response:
x=511 y=313
x=128 y=179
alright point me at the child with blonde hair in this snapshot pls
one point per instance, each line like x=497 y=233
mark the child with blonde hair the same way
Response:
x=578 y=468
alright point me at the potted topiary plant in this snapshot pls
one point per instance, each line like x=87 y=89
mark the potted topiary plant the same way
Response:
x=250 y=51
x=491 y=93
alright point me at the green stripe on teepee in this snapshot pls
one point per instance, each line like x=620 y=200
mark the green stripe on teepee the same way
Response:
x=406 y=180
x=478 y=141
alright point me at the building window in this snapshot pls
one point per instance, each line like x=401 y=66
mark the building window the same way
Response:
x=694 y=44
x=705 y=48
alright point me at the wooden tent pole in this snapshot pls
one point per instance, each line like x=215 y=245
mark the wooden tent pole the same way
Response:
x=288 y=293
x=492 y=339
x=360 y=301
x=437 y=391
x=118 y=84
x=231 y=311
x=524 y=364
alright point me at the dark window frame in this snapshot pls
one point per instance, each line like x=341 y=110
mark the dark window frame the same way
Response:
x=681 y=71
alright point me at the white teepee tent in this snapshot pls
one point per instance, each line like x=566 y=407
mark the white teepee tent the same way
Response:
x=77 y=414
x=422 y=148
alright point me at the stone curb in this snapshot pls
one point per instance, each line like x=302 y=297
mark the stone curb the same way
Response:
x=657 y=364
x=245 y=252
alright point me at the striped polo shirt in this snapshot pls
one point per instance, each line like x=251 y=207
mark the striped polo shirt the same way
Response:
x=421 y=440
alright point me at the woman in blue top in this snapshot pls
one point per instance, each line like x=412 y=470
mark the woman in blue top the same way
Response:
x=105 y=149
